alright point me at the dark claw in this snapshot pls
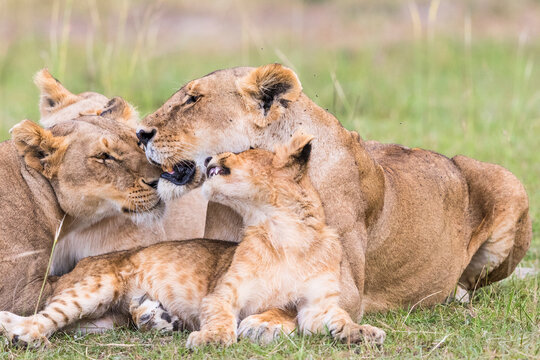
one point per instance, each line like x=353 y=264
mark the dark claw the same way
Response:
x=165 y=316
x=15 y=342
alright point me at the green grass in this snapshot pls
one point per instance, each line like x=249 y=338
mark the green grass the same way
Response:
x=501 y=321
x=480 y=99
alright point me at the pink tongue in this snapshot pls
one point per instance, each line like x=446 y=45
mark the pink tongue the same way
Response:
x=171 y=172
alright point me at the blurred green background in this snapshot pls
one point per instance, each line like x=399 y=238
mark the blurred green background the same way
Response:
x=458 y=77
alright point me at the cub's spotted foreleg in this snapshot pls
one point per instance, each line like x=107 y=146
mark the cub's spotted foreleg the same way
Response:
x=75 y=297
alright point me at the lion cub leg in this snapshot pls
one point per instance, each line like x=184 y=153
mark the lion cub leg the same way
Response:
x=76 y=296
x=268 y=326
x=321 y=312
x=218 y=319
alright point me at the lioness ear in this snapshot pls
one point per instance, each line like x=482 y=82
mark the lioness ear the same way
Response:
x=53 y=95
x=120 y=110
x=295 y=154
x=41 y=150
x=270 y=89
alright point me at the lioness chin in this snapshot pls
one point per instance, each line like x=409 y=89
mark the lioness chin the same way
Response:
x=413 y=224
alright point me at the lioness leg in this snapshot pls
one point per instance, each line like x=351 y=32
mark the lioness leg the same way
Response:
x=77 y=295
x=268 y=326
x=498 y=210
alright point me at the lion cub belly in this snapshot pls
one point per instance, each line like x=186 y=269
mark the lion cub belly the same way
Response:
x=276 y=287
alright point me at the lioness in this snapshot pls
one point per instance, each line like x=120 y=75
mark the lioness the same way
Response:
x=78 y=172
x=413 y=223
x=284 y=221
x=183 y=219
x=89 y=227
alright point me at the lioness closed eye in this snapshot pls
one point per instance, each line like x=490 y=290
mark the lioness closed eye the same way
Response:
x=288 y=258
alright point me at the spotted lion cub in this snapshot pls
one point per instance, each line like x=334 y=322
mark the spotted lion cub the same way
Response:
x=288 y=256
x=288 y=260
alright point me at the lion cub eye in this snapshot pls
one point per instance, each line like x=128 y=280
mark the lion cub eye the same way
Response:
x=103 y=157
x=191 y=99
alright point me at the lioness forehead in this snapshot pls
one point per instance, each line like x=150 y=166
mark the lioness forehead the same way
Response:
x=91 y=124
x=223 y=76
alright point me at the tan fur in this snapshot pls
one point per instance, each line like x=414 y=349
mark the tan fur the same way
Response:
x=288 y=258
x=62 y=173
x=406 y=218
x=89 y=226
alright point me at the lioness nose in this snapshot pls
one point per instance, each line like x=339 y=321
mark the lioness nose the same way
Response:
x=145 y=136
x=207 y=160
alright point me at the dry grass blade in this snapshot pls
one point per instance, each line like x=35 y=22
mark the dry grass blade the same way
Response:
x=56 y=237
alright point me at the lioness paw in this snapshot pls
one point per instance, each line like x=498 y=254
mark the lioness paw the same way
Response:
x=149 y=315
x=263 y=331
x=21 y=331
x=355 y=334
x=216 y=336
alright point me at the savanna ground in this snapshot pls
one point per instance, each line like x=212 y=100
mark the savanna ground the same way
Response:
x=453 y=76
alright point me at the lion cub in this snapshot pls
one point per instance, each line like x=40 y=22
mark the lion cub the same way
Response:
x=288 y=256
x=288 y=259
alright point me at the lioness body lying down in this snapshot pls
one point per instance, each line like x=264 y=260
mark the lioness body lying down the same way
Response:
x=288 y=258
x=413 y=223
x=32 y=210
x=78 y=172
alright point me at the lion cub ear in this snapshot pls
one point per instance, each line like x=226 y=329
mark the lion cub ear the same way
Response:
x=295 y=154
x=120 y=110
x=53 y=95
x=269 y=90
x=41 y=150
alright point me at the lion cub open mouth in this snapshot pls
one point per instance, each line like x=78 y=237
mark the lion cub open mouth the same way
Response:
x=181 y=173
x=214 y=170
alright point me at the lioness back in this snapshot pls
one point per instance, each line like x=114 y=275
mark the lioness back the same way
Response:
x=24 y=254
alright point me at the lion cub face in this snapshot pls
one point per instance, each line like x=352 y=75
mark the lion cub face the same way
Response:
x=258 y=179
x=94 y=164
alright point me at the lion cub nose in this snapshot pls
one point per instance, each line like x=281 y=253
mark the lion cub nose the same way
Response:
x=207 y=161
x=145 y=136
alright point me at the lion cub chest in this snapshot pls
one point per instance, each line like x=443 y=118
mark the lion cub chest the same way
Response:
x=278 y=261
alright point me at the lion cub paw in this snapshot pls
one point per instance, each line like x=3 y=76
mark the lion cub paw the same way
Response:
x=258 y=328
x=354 y=333
x=149 y=315
x=215 y=336
x=21 y=331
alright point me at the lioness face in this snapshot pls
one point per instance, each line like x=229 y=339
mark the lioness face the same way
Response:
x=94 y=164
x=223 y=111
x=257 y=178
